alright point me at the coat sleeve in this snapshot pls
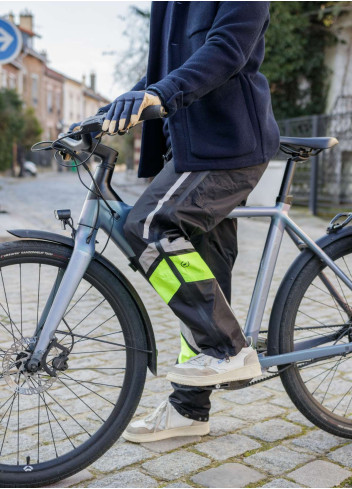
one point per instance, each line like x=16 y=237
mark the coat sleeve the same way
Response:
x=229 y=42
x=141 y=85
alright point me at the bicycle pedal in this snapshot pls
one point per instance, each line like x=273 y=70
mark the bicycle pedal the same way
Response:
x=231 y=386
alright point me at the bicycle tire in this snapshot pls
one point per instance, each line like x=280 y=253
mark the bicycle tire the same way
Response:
x=324 y=384
x=50 y=257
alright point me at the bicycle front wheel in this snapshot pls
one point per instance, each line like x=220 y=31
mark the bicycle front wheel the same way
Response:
x=318 y=311
x=53 y=426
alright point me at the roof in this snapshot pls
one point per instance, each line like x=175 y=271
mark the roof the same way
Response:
x=54 y=74
x=28 y=32
x=88 y=92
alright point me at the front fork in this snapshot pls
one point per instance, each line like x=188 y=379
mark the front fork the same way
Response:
x=62 y=292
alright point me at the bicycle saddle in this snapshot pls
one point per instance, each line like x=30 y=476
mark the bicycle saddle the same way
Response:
x=312 y=143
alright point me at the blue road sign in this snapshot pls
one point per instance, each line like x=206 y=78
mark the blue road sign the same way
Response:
x=10 y=41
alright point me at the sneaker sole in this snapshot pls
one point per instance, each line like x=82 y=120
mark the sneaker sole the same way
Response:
x=243 y=373
x=164 y=434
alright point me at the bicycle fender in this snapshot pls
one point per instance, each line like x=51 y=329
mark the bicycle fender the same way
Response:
x=69 y=242
x=288 y=280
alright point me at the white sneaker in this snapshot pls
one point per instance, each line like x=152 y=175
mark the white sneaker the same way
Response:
x=203 y=370
x=164 y=422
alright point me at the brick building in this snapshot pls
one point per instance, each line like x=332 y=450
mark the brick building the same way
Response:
x=58 y=100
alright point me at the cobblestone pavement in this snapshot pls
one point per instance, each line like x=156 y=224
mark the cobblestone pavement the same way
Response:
x=257 y=438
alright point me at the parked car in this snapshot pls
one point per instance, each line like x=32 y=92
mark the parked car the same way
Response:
x=30 y=169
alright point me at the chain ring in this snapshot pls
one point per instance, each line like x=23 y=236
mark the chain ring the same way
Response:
x=14 y=370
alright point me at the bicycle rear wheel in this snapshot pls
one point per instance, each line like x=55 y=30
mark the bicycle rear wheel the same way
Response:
x=319 y=307
x=52 y=427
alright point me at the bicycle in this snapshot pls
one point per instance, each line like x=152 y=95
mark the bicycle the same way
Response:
x=73 y=327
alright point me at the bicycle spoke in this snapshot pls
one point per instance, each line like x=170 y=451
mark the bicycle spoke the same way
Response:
x=8 y=309
x=38 y=295
x=75 y=304
x=67 y=387
x=94 y=392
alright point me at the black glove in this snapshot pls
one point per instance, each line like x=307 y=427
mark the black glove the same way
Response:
x=126 y=110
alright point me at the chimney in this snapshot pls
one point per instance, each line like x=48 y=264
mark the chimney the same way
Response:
x=92 y=81
x=84 y=80
x=26 y=20
x=11 y=17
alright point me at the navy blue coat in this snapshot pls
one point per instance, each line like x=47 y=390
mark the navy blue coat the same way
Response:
x=219 y=105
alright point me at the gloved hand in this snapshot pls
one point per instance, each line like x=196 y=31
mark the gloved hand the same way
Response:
x=126 y=110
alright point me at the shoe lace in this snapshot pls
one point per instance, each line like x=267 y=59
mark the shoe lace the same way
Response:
x=155 y=417
x=201 y=360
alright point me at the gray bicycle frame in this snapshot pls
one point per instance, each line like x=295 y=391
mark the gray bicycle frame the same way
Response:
x=96 y=215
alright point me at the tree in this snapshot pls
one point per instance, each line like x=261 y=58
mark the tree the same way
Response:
x=11 y=125
x=132 y=62
x=294 y=61
x=17 y=126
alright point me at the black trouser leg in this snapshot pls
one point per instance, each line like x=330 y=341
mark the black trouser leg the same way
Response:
x=218 y=248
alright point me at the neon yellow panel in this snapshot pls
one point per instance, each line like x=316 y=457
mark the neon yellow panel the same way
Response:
x=164 y=281
x=186 y=353
x=192 y=267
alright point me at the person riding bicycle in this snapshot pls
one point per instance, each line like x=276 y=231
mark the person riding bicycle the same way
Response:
x=206 y=155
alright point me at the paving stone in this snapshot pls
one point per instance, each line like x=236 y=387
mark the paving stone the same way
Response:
x=179 y=484
x=158 y=385
x=218 y=405
x=283 y=401
x=170 y=444
x=298 y=417
x=277 y=460
x=175 y=465
x=154 y=400
x=228 y=475
x=247 y=395
x=221 y=425
x=320 y=474
x=74 y=480
x=318 y=441
x=272 y=430
x=255 y=412
x=126 y=478
x=281 y=483
x=228 y=446
x=342 y=455
x=121 y=455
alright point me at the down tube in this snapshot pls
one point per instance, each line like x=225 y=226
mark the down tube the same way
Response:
x=265 y=275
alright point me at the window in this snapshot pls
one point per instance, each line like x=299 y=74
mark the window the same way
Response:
x=12 y=81
x=58 y=103
x=49 y=101
x=35 y=90
x=4 y=79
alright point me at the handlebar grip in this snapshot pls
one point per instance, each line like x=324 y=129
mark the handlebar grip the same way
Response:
x=153 y=112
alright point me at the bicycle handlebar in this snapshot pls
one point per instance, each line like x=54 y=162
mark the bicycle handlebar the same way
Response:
x=95 y=123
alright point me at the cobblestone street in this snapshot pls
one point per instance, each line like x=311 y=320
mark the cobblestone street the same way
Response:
x=257 y=438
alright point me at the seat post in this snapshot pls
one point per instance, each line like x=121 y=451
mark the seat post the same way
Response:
x=284 y=196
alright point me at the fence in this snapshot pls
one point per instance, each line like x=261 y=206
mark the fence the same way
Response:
x=324 y=183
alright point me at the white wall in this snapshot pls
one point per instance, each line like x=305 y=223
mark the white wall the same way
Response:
x=339 y=59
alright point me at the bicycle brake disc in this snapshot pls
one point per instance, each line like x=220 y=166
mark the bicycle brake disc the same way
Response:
x=15 y=373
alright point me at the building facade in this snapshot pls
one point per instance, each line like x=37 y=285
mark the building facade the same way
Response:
x=57 y=99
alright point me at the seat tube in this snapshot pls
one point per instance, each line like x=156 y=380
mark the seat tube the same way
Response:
x=266 y=272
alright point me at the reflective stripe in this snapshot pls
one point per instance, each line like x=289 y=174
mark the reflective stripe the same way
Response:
x=166 y=197
x=148 y=257
x=178 y=244
x=186 y=353
x=164 y=281
x=188 y=336
x=192 y=267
